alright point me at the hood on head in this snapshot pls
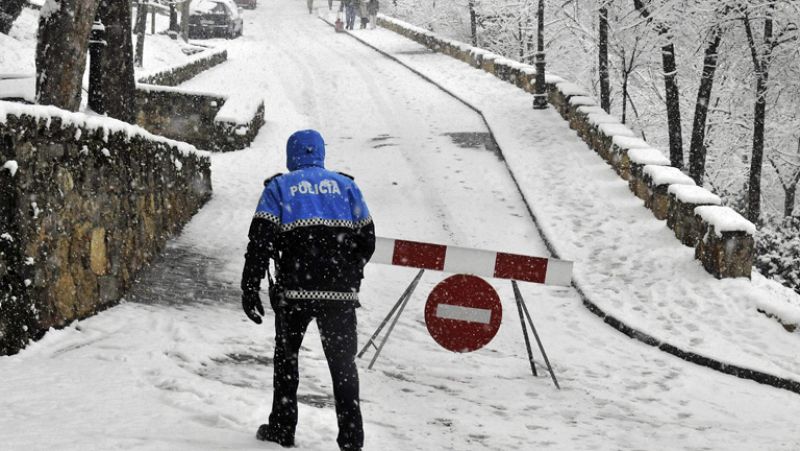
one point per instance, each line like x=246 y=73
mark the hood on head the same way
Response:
x=305 y=148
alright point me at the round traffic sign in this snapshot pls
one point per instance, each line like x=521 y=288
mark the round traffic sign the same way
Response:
x=463 y=313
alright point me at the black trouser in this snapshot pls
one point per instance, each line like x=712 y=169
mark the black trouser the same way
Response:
x=337 y=328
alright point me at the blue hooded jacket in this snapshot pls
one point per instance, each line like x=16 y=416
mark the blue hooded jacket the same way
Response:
x=314 y=223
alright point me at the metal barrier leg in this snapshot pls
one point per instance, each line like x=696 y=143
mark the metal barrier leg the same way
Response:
x=407 y=295
x=371 y=341
x=518 y=297
x=536 y=335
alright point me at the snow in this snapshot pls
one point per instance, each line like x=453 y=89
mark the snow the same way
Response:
x=239 y=110
x=591 y=109
x=581 y=101
x=19 y=88
x=179 y=367
x=666 y=175
x=648 y=156
x=612 y=129
x=206 y=6
x=627 y=142
x=17 y=48
x=601 y=118
x=11 y=166
x=571 y=89
x=690 y=194
x=35 y=209
x=551 y=79
x=162 y=54
x=49 y=8
x=725 y=219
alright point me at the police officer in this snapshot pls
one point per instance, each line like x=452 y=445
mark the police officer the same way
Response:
x=316 y=227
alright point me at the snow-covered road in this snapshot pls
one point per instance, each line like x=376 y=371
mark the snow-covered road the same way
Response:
x=180 y=367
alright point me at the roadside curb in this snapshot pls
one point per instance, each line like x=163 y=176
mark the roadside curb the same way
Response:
x=631 y=332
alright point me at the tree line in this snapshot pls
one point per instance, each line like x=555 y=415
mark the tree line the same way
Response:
x=714 y=83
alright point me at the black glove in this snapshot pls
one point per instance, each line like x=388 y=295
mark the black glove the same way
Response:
x=251 y=303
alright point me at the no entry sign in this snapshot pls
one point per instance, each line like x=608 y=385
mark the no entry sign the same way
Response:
x=463 y=313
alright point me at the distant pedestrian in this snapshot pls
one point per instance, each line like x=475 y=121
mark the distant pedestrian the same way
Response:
x=314 y=224
x=349 y=13
x=372 y=11
x=362 y=13
x=310 y=6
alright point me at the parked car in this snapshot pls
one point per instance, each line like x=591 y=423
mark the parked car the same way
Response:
x=249 y=4
x=215 y=18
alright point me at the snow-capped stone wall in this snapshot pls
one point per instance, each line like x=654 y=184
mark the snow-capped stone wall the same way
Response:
x=658 y=180
x=173 y=76
x=178 y=114
x=726 y=245
x=724 y=254
x=85 y=202
x=683 y=199
x=207 y=121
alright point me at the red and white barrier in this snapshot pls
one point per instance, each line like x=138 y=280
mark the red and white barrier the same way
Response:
x=478 y=262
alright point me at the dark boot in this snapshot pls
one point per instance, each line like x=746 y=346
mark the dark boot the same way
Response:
x=265 y=434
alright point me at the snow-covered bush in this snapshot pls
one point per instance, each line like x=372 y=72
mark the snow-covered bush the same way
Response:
x=778 y=251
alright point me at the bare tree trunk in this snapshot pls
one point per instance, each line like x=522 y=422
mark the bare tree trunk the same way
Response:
x=628 y=66
x=759 y=115
x=791 y=190
x=789 y=186
x=789 y=200
x=540 y=96
x=697 y=149
x=625 y=77
x=673 y=105
x=761 y=63
x=473 y=23
x=118 y=74
x=61 y=51
x=185 y=20
x=9 y=11
x=671 y=90
x=531 y=43
x=605 y=85
x=140 y=29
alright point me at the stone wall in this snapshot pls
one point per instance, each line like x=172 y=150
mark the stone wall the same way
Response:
x=86 y=202
x=198 y=118
x=603 y=133
x=194 y=117
x=177 y=114
x=176 y=75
